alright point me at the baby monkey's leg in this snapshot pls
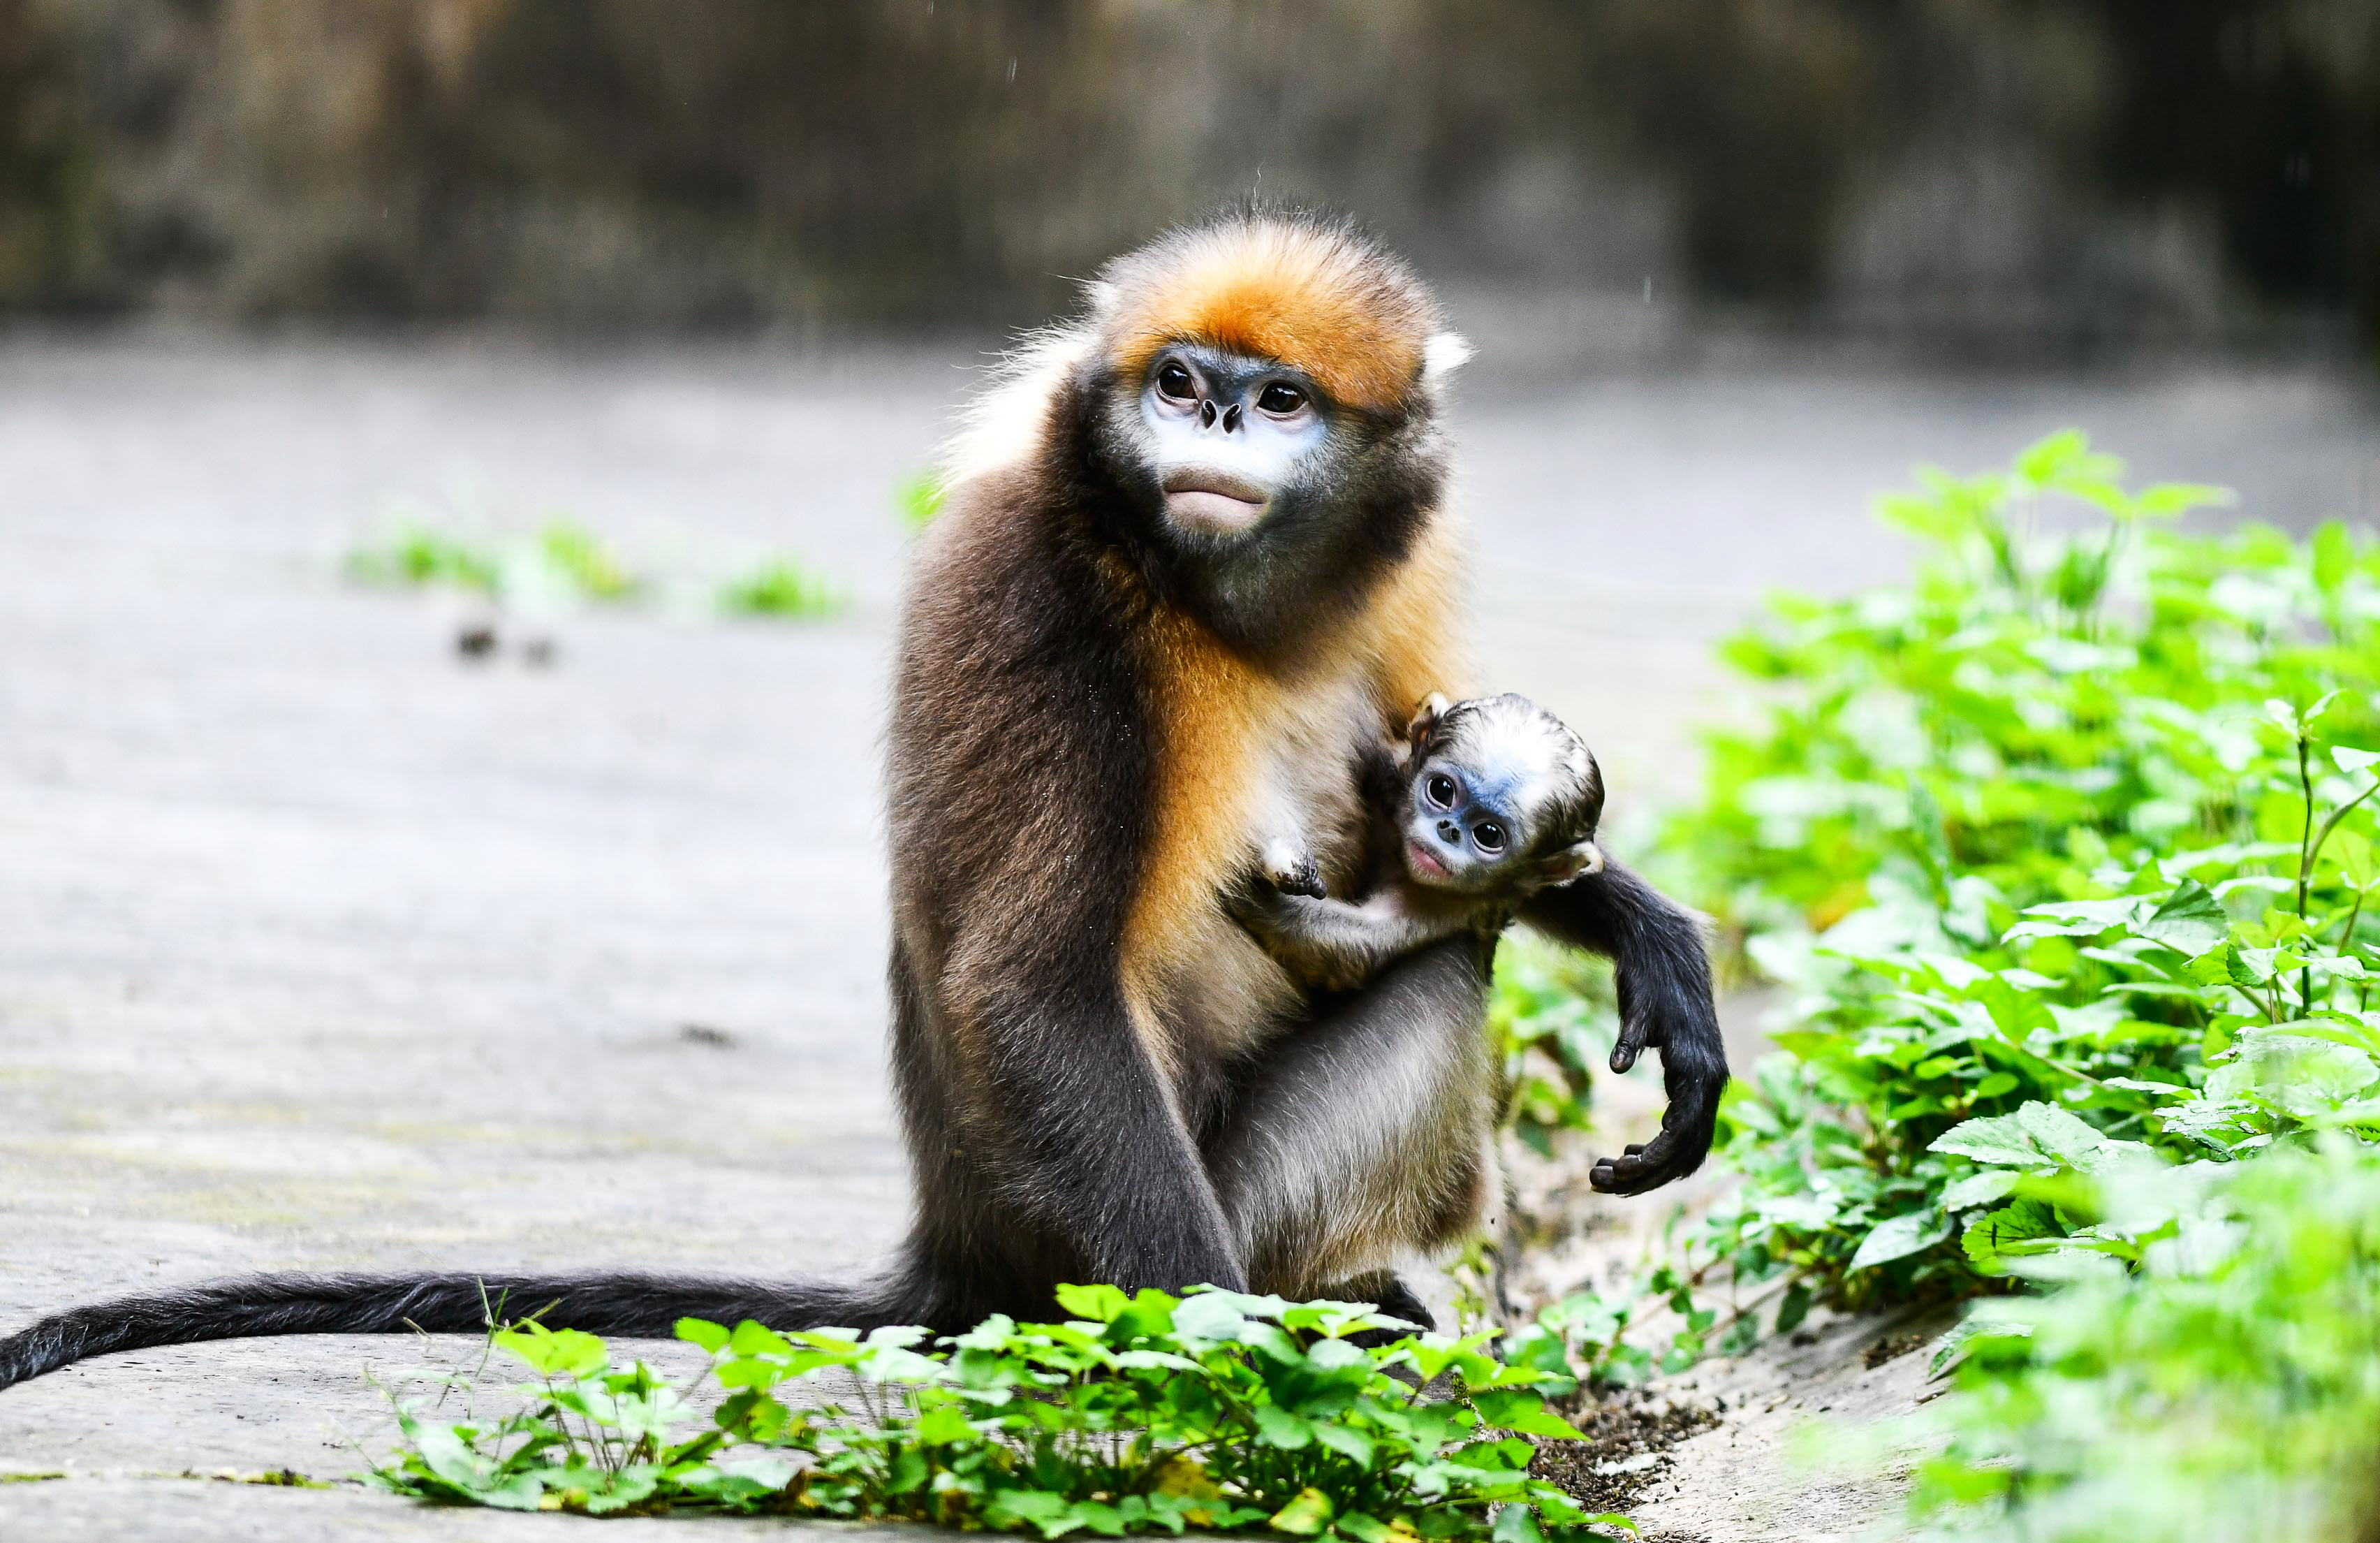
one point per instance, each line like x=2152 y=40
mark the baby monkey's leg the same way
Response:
x=1365 y=1137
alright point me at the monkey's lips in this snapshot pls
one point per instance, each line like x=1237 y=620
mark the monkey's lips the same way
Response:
x=1217 y=503
x=1426 y=863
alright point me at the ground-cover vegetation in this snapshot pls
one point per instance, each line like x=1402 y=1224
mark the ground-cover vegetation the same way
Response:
x=1139 y=1414
x=563 y=566
x=2063 y=853
x=2225 y=1385
x=2062 y=857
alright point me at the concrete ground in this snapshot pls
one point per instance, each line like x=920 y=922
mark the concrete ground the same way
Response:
x=322 y=948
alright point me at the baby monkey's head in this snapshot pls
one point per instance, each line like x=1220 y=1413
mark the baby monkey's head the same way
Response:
x=1503 y=797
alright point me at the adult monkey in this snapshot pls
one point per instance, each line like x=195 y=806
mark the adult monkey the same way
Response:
x=1194 y=558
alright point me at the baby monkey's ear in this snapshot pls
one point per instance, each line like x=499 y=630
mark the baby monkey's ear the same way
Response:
x=1571 y=861
x=1424 y=722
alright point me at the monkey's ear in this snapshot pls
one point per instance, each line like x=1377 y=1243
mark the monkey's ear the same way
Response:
x=1425 y=719
x=1440 y=356
x=1571 y=861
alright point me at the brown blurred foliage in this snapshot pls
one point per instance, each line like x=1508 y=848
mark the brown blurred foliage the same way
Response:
x=2055 y=170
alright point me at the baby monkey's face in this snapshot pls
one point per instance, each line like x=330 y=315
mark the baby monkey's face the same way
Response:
x=1503 y=799
x=1465 y=829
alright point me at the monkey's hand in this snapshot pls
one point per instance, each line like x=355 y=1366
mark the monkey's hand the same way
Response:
x=1291 y=869
x=1665 y=1004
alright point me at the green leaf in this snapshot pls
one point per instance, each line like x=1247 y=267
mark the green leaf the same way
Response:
x=1096 y=1304
x=2354 y=762
x=1997 y=1232
x=2190 y=921
x=751 y=1338
x=554 y=1352
x=1346 y=1440
x=2227 y=964
x=1517 y=1523
x=2063 y=1137
x=697 y=1331
x=1277 y=1427
x=1305 y=1516
x=1980 y=1189
x=1997 y=1138
x=2334 y=556
x=1525 y=1412
x=1899 y=1236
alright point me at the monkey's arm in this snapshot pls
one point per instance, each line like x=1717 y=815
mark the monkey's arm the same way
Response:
x=1332 y=944
x=1085 y=1139
x=1665 y=1003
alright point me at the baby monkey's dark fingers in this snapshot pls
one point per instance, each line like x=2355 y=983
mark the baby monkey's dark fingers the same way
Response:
x=1306 y=880
x=1646 y=1167
x=1639 y=1031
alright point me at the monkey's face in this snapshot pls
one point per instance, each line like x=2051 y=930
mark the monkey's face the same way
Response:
x=1228 y=436
x=1466 y=828
x=1503 y=798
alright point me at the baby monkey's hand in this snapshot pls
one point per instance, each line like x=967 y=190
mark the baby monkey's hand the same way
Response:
x=1291 y=869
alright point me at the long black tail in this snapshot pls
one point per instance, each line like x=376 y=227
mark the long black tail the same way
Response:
x=636 y=1305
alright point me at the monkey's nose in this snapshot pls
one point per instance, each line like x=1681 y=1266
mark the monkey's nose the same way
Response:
x=1448 y=833
x=1231 y=418
x=1206 y=415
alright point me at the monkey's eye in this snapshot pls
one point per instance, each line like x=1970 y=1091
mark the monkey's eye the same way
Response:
x=1440 y=788
x=1174 y=382
x=1489 y=835
x=1280 y=400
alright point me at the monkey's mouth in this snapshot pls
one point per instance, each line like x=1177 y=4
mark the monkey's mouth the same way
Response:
x=1426 y=863
x=1201 y=498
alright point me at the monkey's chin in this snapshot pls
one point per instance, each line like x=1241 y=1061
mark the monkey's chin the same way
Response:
x=1213 y=514
x=1425 y=866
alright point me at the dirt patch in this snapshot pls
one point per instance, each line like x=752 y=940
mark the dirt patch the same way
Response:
x=1627 y=1447
x=1890 y=1349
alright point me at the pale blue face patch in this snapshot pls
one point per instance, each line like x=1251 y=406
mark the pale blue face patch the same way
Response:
x=1226 y=432
x=1469 y=815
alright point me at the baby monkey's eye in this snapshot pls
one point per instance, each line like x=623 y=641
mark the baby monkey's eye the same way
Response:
x=1281 y=399
x=1489 y=835
x=1173 y=380
x=1440 y=788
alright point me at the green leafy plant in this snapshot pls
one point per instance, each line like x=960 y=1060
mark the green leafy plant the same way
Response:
x=2063 y=849
x=2222 y=1382
x=781 y=587
x=1140 y=1413
x=584 y=562
x=563 y=566
x=414 y=554
x=562 y=560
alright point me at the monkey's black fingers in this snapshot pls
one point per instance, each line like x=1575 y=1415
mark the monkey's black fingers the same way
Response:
x=1694 y=1080
x=1636 y=1035
x=1657 y=1164
x=1306 y=881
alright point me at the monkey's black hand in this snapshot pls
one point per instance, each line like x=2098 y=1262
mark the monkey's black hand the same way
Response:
x=1291 y=869
x=1665 y=1004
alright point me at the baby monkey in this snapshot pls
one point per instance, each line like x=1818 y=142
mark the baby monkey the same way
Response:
x=1485 y=802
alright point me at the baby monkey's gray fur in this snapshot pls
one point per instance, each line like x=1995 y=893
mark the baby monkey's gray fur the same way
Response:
x=1483 y=804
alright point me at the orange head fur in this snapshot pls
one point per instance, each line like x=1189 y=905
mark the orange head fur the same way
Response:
x=1312 y=294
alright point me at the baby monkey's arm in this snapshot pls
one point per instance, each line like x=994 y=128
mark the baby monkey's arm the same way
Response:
x=1332 y=944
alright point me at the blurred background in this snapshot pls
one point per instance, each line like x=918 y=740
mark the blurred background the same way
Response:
x=459 y=457
x=1962 y=178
